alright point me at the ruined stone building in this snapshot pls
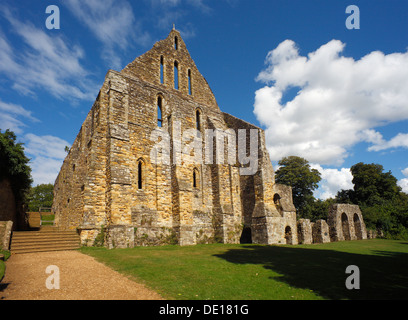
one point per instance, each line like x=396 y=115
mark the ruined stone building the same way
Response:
x=112 y=179
x=156 y=161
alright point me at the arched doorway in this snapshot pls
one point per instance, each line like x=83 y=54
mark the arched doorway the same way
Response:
x=357 y=227
x=345 y=226
x=246 y=236
x=288 y=235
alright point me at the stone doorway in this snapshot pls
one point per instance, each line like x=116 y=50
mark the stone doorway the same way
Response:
x=357 y=227
x=246 y=236
x=288 y=235
x=345 y=226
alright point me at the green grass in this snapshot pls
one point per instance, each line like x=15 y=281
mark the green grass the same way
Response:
x=47 y=219
x=235 y=272
x=2 y=264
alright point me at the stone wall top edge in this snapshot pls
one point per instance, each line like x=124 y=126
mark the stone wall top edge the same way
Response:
x=245 y=122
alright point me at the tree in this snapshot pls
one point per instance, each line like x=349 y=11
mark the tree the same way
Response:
x=14 y=165
x=383 y=204
x=296 y=172
x=40 y=196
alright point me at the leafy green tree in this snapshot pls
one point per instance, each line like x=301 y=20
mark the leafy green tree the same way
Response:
x=317 y=209
x=372 y=185
x=383 y=204
x=40 y=196
x=296 y=172
x=14 y=165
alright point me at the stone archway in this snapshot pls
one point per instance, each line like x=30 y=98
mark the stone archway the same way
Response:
x=345 y=226
x=246 y=236
x=288 y=235
x=357 y=227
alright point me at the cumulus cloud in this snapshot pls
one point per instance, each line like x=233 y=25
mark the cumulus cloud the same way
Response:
x=46 y=154
x=399 y=141
x=333 y=180
x=339 y=102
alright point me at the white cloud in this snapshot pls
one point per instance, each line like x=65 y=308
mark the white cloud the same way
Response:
x=400 y=140
x=46 y=152
x=47 y=155
x=403 y=183
x=339 y=101
x=46 y=62
x=333 y=180
x=113 y=23
x=10 y=114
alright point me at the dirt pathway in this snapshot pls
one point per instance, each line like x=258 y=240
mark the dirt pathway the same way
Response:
x=81 y=278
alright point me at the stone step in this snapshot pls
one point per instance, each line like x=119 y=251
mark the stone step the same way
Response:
x=40 y=241
x=43 y=249
x=25 y=234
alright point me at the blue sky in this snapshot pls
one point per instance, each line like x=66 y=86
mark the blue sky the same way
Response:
x=332 y=95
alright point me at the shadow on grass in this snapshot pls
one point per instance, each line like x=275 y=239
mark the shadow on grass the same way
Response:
x=382 y=276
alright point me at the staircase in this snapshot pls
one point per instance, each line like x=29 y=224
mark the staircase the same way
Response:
x=47 y=239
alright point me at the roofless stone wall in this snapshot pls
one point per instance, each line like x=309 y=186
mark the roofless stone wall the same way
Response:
x=156 y=161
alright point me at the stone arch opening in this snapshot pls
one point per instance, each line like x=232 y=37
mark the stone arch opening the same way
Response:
x=246 y=236
x=276 y=199
x=277 y=202
x=345 y=226
x=198 y=119
x=159 y=111
x=161 y=69
x=190 y=88
x=288 y=235
x=176 y=75
x=140 y=174
x=357 y=227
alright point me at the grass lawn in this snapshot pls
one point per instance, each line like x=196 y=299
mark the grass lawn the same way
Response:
x=47 y=219
x=247 y=272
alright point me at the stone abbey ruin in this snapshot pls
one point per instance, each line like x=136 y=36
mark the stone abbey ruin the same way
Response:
x=156 y=162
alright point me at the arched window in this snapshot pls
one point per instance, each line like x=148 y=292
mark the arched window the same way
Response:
x=198 y=120
x=176 y=43
x=161 y=70
x=176 y=80
x=140 y=174
x=276 y=199
x=159 y=111
x=190 y=90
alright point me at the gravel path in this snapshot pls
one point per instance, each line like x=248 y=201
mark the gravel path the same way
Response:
x=81 y=278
